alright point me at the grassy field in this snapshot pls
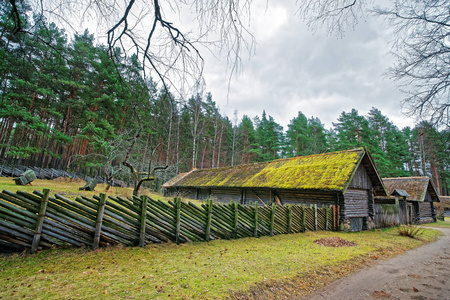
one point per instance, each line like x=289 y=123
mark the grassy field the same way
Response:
x=440 y=224
x=268 y=267
x=69 y=188
x=250 y=268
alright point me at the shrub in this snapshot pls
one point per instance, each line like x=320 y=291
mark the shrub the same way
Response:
x=410 y=230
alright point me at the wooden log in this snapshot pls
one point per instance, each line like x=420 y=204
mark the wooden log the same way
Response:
x=303 y=219
x=125 y=212
x=29 y=215
x=143 y=217
x=70 y=232
x=26 y=231
x=272 y=218
x=315 y=217
x=62 y=236
x=14 y=241
x=177 y=220
x=16 y=218
x=98 y=225
x=6 y=246
x=40 y=221
x=20 y=201
x=289 y=219
x=15 y=233
x=235 y=219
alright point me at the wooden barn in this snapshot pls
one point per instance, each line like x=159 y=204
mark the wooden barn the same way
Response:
x=415 y=197
x=345 y=178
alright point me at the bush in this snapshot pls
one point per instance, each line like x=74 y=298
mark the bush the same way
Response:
x=410 y=230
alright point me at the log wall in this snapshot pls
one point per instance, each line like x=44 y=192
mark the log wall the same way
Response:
x=360 y=179
x=356 y=204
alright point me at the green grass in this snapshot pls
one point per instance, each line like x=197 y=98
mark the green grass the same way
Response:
x=439 y=224
x=69 y=189
x=214 y=270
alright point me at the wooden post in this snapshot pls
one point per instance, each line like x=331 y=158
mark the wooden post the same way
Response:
x=235 y=218
x=338 y=211
x=143 y=219
x=256 y=220
x=289 y=209
x=40 y=221
x=315 y=217
x=98 y=225
x=303 y=218
x=272 y=218
x=326 y=218
x=208 y=220
x=178 y=220
x=334 y=217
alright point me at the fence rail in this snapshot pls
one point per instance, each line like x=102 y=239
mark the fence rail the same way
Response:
x=38 y=221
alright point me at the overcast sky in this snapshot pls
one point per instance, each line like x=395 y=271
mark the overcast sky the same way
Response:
x=295 y=69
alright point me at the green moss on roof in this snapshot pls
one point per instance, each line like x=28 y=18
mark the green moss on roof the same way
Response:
x=328 y=171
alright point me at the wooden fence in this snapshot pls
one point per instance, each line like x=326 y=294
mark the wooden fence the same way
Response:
x=38 y=221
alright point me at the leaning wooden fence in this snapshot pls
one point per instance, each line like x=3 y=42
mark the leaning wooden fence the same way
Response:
x=38 y=221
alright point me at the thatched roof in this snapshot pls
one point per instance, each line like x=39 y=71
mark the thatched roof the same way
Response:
x=416 y=187
x=328 y=171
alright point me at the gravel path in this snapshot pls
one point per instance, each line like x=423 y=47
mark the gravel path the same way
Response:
x=421 y=273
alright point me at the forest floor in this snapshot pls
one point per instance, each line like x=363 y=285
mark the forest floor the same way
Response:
x=421 y=273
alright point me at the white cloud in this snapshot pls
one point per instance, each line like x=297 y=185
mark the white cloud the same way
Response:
x=295 y=70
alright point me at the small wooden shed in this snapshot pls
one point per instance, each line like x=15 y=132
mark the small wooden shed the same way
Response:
x=346 y=178
x=416 y=202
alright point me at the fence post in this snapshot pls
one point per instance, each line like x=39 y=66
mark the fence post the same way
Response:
x=235 y=218
x=208 y=219
x=40 y=221
x=315 y=217
x=272 y=218
x=303 y=219
x=289 y=211
x=256 y=220
x=338 y=211
x=178 y=220
x=326 y=218
x=143 y=219
x=98 y=225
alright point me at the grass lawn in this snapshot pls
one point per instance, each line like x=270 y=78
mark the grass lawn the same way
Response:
x=439 y=224
x=69 y=188
x=263 y=268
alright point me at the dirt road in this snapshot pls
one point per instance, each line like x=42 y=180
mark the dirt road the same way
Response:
x=422 y=273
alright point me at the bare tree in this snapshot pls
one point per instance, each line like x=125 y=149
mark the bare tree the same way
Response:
x=167 y=45
x=421 y=46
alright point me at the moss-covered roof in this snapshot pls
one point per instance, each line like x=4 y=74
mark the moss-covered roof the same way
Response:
x=327 y=171
x=416 y=187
